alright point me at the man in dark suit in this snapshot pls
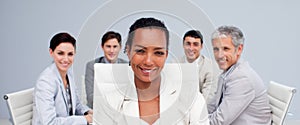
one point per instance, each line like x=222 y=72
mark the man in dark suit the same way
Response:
x=111 y=45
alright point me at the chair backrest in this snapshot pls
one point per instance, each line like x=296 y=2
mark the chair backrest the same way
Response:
x=280 y=97
x=20 y=106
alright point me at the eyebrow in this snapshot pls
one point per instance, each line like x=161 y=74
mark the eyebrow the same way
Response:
x=58 y=50
x=156 y=48
x=193 y=42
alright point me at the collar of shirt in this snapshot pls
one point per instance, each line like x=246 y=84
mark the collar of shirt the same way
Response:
x=106 y=61
x=226 y=73
x=130 y=92
x=196 y=62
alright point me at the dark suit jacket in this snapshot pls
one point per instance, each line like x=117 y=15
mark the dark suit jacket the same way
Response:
x=89 y=78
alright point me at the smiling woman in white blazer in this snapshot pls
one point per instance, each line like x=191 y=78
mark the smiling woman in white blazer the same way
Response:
x=154 y=99
x=55 y=98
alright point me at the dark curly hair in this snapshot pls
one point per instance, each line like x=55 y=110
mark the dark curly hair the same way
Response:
x=146 y=23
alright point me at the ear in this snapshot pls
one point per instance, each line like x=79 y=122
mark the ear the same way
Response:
x=201 y=45
x=240 y=49
x=127 y=51
x=51 y=52
x=167 y=53
x=128 y=54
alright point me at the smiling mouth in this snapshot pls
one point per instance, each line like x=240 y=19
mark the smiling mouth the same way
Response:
x=111 y=55
x=147 y=71
x=191 y=53
x=222 y=61
x=65 y=64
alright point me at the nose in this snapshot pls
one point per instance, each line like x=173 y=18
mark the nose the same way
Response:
x=65 y=58
x=148 y=59
x=220 y=54
x=191 y=47
x=111 y=49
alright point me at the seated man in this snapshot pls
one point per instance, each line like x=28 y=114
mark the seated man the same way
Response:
x=111 y=46
x=207 y=71
x=242 y=97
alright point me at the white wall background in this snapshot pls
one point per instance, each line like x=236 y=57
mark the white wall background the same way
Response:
x=271 y=28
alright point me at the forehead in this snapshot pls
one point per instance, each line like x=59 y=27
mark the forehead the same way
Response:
x=149 y=37
x=222 y=41
x=191 y=39
x=113 y=41
x=65 y=46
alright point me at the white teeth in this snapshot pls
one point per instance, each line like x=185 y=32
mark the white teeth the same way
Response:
x=65 y=64
x=223 y=59
x=147 y=70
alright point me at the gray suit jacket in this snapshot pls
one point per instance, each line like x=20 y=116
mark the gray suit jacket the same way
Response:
x=242 y=98
x=89 y=78
x=50 y=101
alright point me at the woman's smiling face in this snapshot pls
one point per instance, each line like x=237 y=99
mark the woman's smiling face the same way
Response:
x=63 y=56
x=148 y=54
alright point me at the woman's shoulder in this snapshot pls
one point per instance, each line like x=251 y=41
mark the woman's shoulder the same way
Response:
x=48 y=76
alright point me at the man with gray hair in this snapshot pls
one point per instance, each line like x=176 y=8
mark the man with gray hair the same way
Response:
x=241 y=98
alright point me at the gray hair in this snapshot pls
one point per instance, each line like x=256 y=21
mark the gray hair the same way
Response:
x=229 y=31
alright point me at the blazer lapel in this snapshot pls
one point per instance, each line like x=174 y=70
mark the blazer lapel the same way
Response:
x=63 y=92
x=61 y=85
x=73 y=94
x=130 y=105
x=170 y=102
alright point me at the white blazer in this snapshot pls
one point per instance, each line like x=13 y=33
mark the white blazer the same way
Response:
x=180 y=104
x=50 y=101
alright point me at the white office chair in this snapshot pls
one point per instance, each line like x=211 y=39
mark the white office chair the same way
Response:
x=20 y=106
x=280 y=97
